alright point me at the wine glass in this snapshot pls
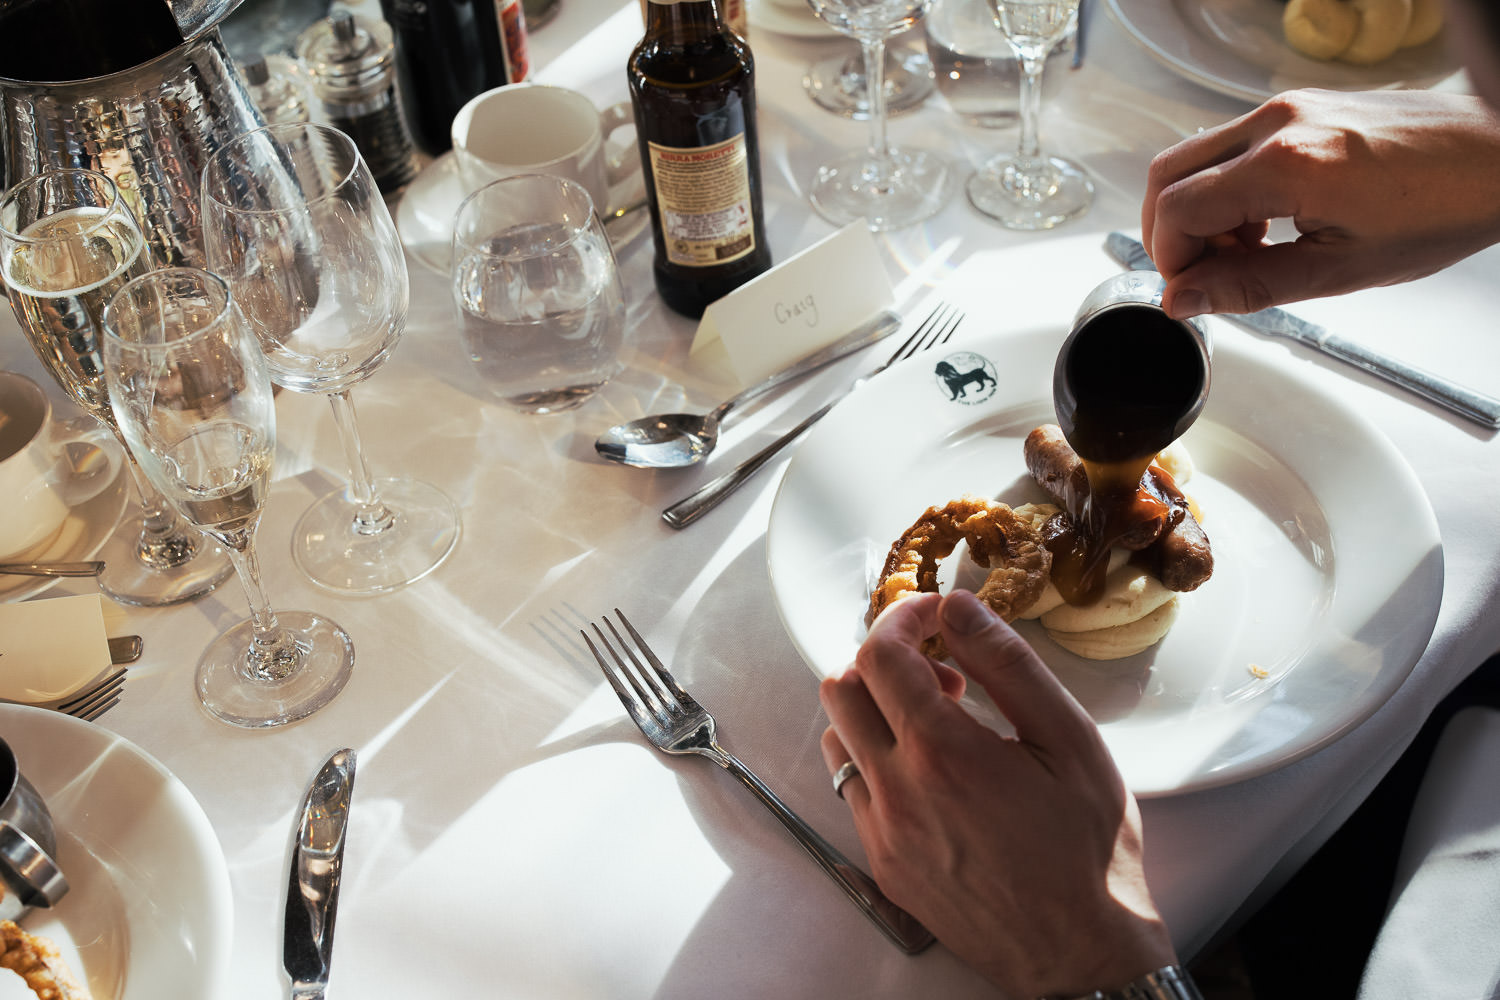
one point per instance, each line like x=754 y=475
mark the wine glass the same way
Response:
x=68 y=242
x=191 y=393
x=886 y=186
x=293 y=221
x=837 y=83
x=1030 y=189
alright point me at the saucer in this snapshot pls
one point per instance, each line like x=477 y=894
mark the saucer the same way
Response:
x=83 y=533
x=425 y=215
x=797 y=21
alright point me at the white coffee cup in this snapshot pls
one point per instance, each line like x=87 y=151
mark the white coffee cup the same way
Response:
x=46 y=467
x=536 y=128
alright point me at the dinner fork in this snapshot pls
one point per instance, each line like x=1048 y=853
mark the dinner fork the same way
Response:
x=675 y=723
x=936 y=329
x=97 y=700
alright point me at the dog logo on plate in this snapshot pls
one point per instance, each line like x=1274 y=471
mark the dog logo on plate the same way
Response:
x=966 y=377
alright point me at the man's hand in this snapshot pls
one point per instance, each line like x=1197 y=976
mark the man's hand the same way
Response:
x=1023 y=854
x=1383 y=187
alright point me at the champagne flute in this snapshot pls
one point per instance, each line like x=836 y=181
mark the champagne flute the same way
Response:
x=1029 y=189
x=293 y=222
x=68 y=242
x=189 y=388
x=886 y=186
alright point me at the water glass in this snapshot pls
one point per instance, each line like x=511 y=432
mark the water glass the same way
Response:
x=538 y=295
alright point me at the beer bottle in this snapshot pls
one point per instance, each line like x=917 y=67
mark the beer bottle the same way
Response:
x=692 y=83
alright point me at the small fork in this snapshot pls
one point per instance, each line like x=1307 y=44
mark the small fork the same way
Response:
x=97 y=700
x=676 y=724
x=936 y=329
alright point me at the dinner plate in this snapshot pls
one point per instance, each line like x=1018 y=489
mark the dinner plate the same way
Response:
x=1328 y=564
x=148 y=913
x=424 y=217
x=83 y=533
x=1236 y=47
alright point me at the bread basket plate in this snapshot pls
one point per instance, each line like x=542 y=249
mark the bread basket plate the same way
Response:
x=1236 y=47
x=148 y=911
x=1320 y=603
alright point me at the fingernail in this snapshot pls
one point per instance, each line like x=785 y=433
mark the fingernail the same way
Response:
x=1188 y=303
x=964 y=614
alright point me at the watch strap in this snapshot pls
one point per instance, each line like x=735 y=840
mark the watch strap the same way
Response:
x=1169 y=983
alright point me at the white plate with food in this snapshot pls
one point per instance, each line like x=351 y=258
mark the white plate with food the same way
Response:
x=83 y=533
x=1237 y=47
x=1327 y=560
x=148 y=912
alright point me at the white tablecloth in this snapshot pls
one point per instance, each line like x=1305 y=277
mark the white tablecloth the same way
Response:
x=513 y=836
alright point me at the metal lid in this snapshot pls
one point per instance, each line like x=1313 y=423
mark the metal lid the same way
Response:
x=346 y=54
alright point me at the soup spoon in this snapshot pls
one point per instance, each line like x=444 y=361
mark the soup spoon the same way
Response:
x=674 y=440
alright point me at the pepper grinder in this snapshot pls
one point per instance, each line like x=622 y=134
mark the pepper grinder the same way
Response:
x=352 y=63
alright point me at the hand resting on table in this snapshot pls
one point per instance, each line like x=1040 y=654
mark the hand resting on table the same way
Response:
x=1023 y=855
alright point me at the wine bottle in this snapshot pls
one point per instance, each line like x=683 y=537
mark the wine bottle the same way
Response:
x=447 y=51
x=692 y=83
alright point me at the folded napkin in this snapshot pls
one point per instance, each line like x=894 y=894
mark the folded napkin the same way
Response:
x=1441 y=936
x=51 y=648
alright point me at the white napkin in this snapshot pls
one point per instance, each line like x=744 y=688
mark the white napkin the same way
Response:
x=1441 y=937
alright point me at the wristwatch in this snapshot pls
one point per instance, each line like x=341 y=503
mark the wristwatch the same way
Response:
x=1169 y=983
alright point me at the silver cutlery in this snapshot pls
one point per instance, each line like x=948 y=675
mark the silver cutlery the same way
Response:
x=1467 y=403
x=316 y=869
x=125 y=649
x=676 y=724
x=1078 y=34
x=97 y=700
x=674 y=440
x=936 y=329
x=90 y=568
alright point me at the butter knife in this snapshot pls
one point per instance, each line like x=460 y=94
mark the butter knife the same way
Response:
x=1476 y=406
x=317 y=864
x=90 y=568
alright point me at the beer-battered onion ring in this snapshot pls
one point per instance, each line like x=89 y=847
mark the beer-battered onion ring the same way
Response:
x=999 y=539
x=36 y=960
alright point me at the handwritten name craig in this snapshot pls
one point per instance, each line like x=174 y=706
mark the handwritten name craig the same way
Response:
x=804 y=308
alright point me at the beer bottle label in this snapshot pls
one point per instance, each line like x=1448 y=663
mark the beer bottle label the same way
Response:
x=703 y=193
x=513 y=49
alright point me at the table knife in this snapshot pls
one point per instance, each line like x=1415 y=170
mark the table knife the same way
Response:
x=316 y=865
x=1476 y=406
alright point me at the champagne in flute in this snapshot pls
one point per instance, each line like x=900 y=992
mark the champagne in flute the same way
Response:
x=190 y=388
x=67 y=244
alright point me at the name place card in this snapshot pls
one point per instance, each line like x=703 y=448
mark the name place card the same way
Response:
x=800 y=305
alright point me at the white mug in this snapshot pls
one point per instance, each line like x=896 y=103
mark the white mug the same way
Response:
x=45 y=467
x=536 y=128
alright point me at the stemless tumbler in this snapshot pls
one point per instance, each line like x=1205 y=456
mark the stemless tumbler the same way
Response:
x=537 y=292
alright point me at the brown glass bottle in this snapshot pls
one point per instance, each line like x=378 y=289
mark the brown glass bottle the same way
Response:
x=692 y=82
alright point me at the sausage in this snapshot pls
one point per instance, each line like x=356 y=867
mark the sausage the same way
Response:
x=1181 y=558
x=1176 y=550
x=1057 y=468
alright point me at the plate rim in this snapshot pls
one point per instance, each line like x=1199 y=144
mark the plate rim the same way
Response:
x=1416 y=633
x=216 y=900
x=1252 y=93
